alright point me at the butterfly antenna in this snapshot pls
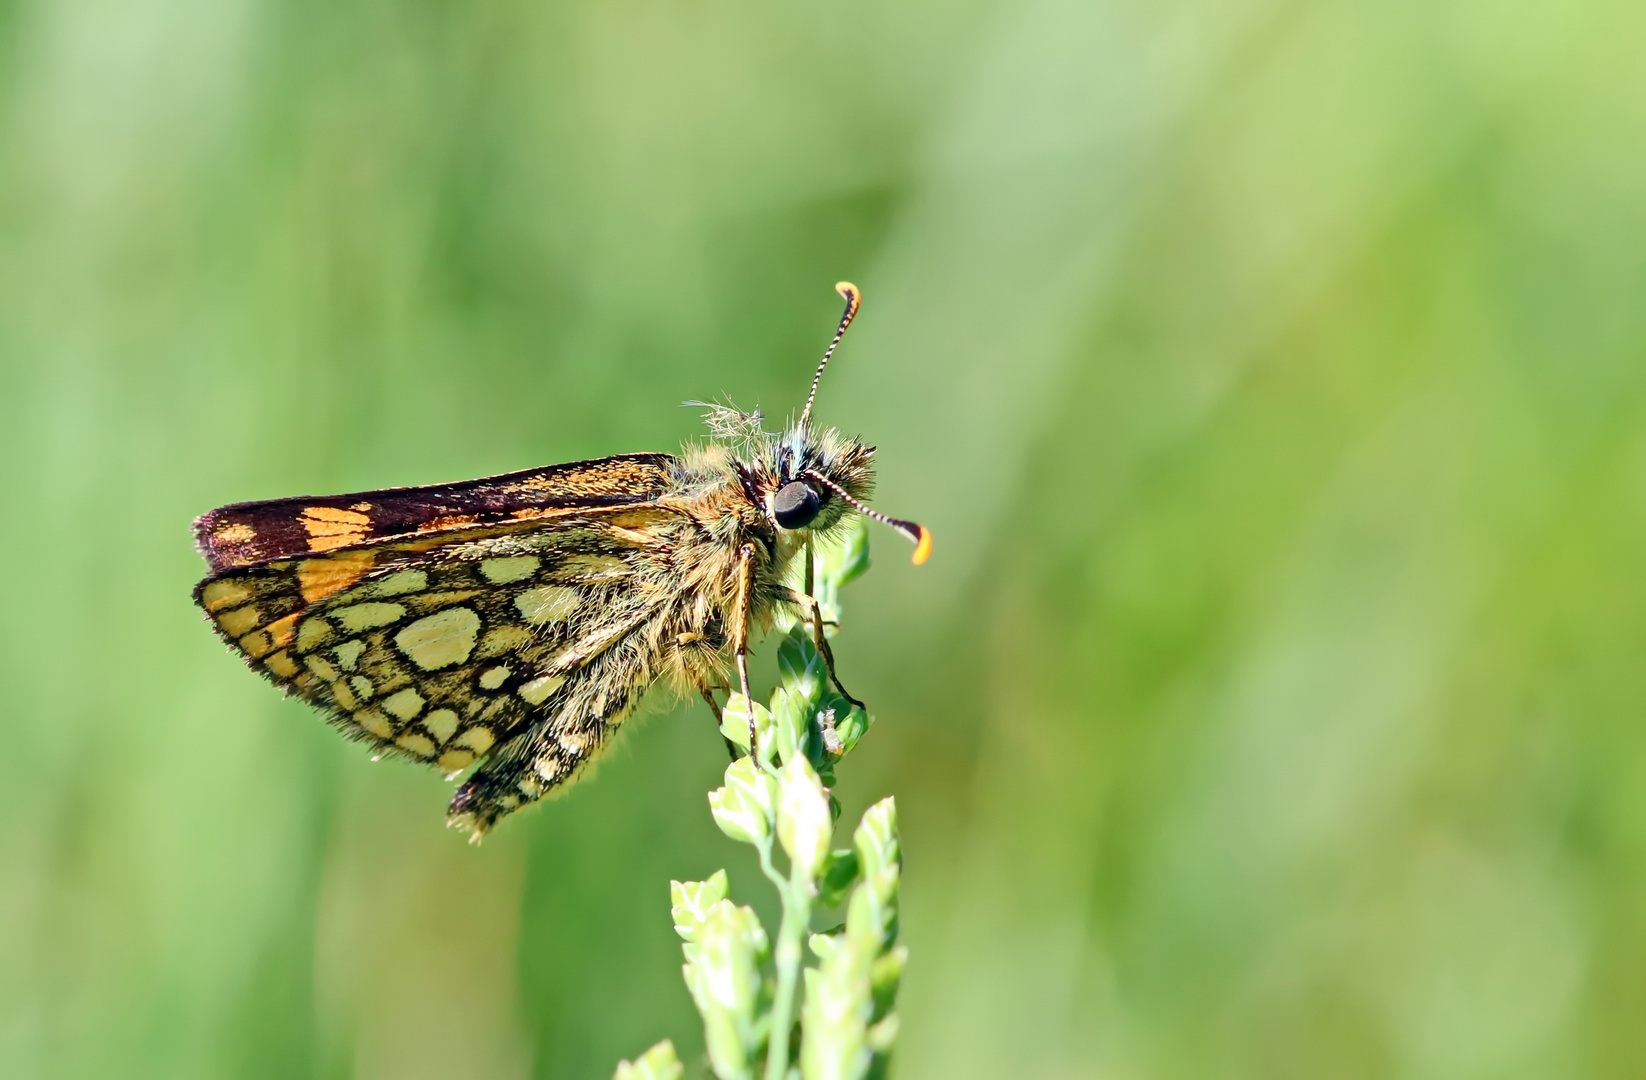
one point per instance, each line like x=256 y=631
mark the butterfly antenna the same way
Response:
x=913 y=532
x=853 y=298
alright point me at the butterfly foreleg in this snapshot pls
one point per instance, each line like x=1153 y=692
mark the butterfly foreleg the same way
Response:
x=740 y=637
x=719 y=718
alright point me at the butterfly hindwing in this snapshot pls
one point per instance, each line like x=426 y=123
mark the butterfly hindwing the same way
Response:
x=506 y=641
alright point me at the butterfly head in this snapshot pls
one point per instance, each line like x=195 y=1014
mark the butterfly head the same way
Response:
x=812 y=475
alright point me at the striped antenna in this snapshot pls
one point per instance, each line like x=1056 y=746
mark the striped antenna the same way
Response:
x=915 y=533
x=853 y=298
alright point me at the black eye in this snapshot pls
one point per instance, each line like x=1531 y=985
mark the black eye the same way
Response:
x=795 y=505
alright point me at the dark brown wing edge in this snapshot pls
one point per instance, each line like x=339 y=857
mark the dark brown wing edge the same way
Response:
x=242 y=534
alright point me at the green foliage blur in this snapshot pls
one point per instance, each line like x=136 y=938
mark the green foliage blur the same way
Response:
x=1272 y=376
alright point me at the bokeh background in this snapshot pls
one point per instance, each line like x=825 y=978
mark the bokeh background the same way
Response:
x=1271 y=373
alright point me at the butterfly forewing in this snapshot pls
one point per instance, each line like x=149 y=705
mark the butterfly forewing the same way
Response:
x=247 y=533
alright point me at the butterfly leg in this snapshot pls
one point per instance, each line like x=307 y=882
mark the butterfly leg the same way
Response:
x=719 y=718
x=740 y=647
x=814 y=612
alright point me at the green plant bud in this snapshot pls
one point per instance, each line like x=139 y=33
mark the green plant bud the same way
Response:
x=689 y=901
x=836 y=1013
x=838 y=875
x=724 y=980
x=658 y=1063
x=803 y=819
x=871 y=916
x=883 y=1035
x=876 y=837
x=850 y=725
x=801 y=667
x=734 y=724
x=743 y=807
x=885 y=975
x=823 y=946
x=790 y=731
x=865 y=919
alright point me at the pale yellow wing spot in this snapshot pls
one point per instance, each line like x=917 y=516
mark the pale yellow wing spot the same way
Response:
x=348 y=653
x=224 y=594
x=240 y=620
x=502 y=640
x=357 y=617
x=405 y=704
x=538 y=690
x=343 y=694
x=414 y=743
x=442 y=724
x=440 y=640
x=374 y=723
x=455 y=761
x=426 y=603
x=478 y=739
x=591 y=568
x=312 y=632
x=281 y=664
x=237 y=533
x=400 y=583
x=511 y=569
x=547 y=603
x=256 y=644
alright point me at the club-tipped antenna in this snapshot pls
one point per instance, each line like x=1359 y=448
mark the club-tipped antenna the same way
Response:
x=914 y=532
x=853 y=298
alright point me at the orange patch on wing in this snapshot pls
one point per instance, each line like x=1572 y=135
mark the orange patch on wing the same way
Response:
x=280 y=630
x=450 y=521
x=316 y=516
x=319 y=578
x=330 y=527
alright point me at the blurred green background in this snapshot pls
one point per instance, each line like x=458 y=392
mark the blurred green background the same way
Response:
x=1270 y=373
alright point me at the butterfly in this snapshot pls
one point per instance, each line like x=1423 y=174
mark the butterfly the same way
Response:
x=507 y=625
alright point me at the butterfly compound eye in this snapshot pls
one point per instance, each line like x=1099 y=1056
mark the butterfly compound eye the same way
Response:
x=796 y=505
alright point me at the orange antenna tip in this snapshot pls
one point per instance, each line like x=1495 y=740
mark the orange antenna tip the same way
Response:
x=923 y=547
x=912 y=531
